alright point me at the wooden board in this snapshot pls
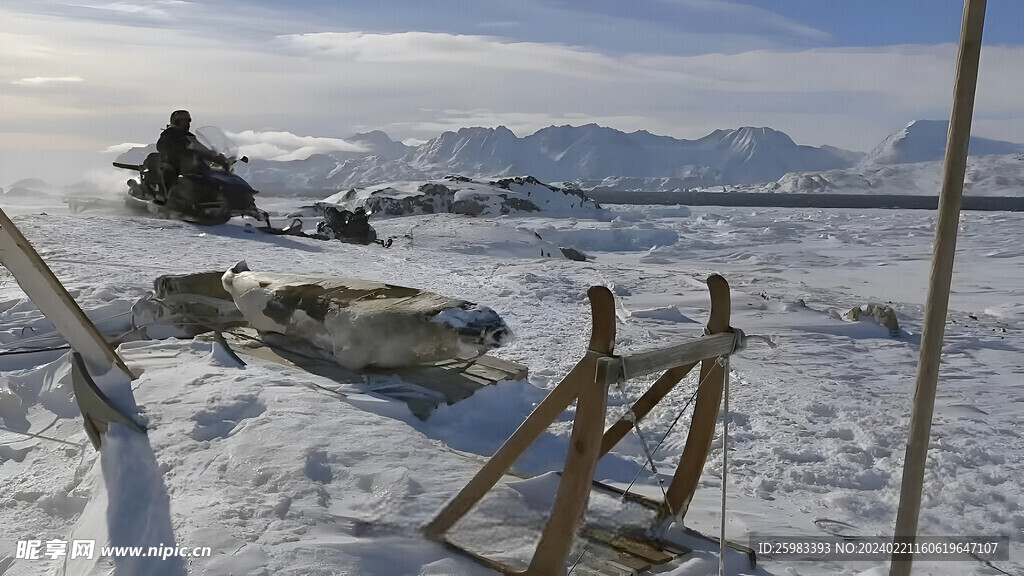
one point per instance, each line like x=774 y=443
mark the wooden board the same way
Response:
x=452 y=379
x=599 y=553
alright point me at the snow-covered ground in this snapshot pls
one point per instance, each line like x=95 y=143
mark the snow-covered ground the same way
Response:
x=283 y=472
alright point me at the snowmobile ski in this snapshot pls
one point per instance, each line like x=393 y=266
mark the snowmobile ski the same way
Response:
x=293 y=229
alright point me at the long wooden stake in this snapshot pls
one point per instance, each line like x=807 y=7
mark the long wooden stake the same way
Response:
x=954 y=168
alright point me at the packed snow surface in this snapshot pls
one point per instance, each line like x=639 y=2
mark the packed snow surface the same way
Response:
x=280 y=471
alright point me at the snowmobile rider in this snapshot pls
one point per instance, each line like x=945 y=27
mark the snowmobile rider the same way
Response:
x=179 y=150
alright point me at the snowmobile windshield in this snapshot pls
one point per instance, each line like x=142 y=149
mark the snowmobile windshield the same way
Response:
x=215 y=139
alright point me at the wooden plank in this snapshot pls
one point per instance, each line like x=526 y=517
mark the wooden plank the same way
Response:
x=639 y=548
x=630 y=562
x=514 y=370
x=447 y=379
x=944 y=251
x=485 y=372
x=600 y=559
x=633 y=497
x=479 y=559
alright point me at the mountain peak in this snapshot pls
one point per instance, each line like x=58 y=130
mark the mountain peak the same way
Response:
x=925 y=141
x=746 y=138
x=378 y=143
x=374 y=135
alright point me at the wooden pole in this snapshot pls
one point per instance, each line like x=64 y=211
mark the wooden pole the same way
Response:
x=954 y=168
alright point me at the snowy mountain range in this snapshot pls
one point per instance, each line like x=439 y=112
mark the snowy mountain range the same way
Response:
x=553 y=154
x=596 y=156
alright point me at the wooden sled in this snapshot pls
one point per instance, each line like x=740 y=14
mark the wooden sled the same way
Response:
x=587 y=383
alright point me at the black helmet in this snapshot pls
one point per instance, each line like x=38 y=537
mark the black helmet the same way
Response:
x=180 y=115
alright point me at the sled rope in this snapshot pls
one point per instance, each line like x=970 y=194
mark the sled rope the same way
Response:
x=40 y=436
x=632 y=418
x=578 y=558
x=50 y=334
x=648 y=454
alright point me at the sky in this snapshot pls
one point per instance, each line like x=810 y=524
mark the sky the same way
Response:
x=80 y=77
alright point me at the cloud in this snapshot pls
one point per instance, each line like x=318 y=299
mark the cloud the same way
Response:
x=442 y=49
x=148 y=13
x=122 y=148
x=288 y=146
x=152 y=10
x=42 y=81
x=678 y=27
x=610 y=27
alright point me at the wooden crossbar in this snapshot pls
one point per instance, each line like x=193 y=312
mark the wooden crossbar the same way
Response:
x=644 y=363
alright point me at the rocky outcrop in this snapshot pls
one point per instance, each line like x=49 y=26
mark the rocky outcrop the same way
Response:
x=462 y=195
x=883 y=315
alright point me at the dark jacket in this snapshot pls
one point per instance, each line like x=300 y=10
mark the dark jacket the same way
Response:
x=181 y=150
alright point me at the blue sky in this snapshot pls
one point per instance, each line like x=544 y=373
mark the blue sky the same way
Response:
x=77 y=77
x=889 y=22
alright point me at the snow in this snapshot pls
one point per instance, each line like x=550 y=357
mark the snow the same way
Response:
x=281 y=471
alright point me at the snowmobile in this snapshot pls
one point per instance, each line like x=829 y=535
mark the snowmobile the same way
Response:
x=211 y=195
x=352 y=227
